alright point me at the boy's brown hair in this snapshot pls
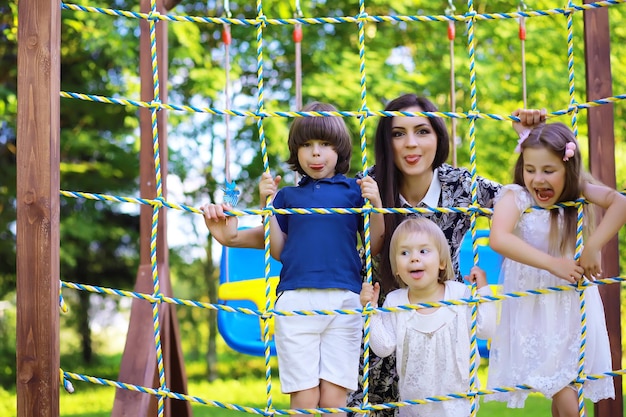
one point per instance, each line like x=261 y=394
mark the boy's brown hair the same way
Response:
x=331 y=129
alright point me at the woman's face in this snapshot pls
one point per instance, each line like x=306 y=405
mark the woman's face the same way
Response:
x=414 y=143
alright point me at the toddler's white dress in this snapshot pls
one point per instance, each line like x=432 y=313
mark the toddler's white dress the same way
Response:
x=432 y=350
x=537 y=340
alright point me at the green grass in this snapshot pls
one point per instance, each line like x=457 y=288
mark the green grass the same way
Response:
x=97 y=401
x=240 y=381
x=91 y=400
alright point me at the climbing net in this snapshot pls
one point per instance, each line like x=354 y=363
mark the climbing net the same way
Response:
x=260 y=22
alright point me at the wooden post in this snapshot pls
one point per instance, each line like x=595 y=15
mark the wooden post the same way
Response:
x=602 y=166
x=139 y=361
x=38 y=132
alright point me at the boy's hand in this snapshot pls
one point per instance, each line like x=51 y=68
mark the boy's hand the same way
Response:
x=369 y=190
x=222 y=227
x=268 y=187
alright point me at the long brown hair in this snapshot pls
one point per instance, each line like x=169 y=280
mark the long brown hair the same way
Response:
x=389 y=177
x=554 y=137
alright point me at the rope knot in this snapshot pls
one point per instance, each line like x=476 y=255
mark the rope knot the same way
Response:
x=473 y=114
x=581 y=285
x=268 y=211
x=474 y=208
x=155 y=104
x=263 y=19
x=573 y=108
x=153 y=15
x=362 y=16
x=160 y=202
x=368 y=310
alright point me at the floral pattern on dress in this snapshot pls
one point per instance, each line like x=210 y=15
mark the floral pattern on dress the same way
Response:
x=456 y=191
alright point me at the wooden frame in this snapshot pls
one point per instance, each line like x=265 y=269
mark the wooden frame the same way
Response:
x=139 y=361
x=38 y=132
x=602 y=166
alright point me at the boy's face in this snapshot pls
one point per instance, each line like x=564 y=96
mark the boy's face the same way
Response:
x=318 y=159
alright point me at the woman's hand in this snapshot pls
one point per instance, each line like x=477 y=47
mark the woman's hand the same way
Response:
x=529 y=118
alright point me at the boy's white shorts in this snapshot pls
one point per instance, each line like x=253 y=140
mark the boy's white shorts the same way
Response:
x=316 y=347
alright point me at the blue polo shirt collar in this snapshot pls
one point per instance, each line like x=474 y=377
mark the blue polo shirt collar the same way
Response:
x=336 y=179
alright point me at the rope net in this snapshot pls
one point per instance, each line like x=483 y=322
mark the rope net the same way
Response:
x=260 y=23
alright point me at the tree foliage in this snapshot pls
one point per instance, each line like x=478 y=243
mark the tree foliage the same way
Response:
x=401 y=57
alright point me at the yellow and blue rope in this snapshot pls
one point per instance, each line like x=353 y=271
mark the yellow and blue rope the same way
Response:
x=471 y=17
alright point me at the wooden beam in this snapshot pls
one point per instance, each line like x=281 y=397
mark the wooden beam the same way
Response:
x=38 y=132
x=170 y=4
x=139 y=362
x=602 y=166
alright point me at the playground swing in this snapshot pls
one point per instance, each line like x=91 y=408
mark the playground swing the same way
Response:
x=241 y=281
x=451 y=35
x=242 y=286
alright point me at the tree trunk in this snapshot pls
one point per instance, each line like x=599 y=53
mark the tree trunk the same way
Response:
x=83 y=326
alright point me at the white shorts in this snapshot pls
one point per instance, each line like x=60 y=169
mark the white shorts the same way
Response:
x=316 y=347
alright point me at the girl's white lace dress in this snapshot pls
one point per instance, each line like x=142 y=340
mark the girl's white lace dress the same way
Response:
x=537 y=340
x=432 y=350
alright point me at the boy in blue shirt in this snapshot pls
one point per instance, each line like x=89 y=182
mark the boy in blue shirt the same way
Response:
x=318 y=356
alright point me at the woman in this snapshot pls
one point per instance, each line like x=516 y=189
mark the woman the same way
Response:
x=411 y=172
